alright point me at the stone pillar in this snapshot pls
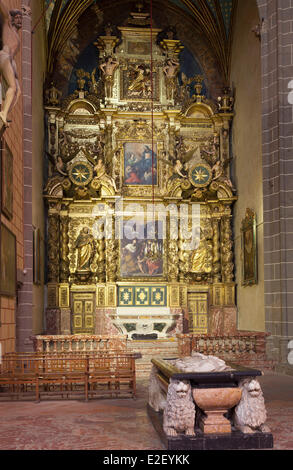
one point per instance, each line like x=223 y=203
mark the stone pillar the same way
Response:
x=277 y=72
x=24 y=314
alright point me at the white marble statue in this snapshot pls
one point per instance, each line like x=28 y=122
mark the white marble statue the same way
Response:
x=200 y=363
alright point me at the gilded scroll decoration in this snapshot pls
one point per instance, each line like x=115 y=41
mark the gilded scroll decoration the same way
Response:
x=64 y=249
x=53 y=247
x=227 y=250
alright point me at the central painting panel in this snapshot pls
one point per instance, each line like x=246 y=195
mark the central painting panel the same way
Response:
x=142 y=250
x=140 y=164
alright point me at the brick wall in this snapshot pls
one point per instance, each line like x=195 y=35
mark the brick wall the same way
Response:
x=14 y=137
x=277 y=71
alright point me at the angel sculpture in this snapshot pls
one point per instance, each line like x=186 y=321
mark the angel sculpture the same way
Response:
x=100 y=170
x=182 y=162
x=60 y=166
x=184 y=90
x=94 y=83
x=218 y=170
x=211 y=154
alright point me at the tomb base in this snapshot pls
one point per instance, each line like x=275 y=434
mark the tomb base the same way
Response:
x=236 y=440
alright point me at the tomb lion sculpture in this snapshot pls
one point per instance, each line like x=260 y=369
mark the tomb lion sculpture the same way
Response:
x=179 y=412
x=250 y=414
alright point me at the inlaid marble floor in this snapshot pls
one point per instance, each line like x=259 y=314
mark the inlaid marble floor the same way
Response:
x=118 y=424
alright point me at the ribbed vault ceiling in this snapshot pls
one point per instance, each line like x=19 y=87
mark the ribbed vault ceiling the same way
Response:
x=213 y=19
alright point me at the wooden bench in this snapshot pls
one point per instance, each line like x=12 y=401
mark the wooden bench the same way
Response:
x=67 y=374
x=62 y=376
x=18 y=377
x=116 y=371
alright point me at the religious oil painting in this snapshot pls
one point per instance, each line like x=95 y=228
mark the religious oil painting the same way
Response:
x=8 y=262
x=249 y=249
x=7 y=180
x=141 y=250
x=140 y=164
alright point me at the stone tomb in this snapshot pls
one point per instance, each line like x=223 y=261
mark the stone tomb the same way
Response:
x=202 y=403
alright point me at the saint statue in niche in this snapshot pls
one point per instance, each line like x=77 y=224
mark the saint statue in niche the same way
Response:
x=85 y=246
x=202 y=257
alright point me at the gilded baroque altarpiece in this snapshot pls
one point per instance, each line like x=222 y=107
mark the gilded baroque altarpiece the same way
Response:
x=137 y=143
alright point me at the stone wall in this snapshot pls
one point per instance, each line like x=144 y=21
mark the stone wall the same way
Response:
x=38 y=72
x=277 y=72
x=247 y=152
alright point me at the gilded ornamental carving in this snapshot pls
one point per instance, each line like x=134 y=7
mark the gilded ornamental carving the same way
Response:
x=137 y=129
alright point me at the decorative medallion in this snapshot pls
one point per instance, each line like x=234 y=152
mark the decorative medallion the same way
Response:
x=81 y=173
x=200 y=175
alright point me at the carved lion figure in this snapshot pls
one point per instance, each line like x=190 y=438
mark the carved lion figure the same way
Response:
x=179 y=412
x=157 y=399
x=250 y=414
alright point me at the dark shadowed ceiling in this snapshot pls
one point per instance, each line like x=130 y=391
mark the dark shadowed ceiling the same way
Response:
x=200 y=23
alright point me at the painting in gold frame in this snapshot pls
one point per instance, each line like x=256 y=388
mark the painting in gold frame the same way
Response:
x=8 y=262
x=249 y=249
x=142 y=257
x=7 y=180
x=140 y=164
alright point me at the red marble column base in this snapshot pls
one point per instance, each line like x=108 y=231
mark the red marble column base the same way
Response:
x=222 y=320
